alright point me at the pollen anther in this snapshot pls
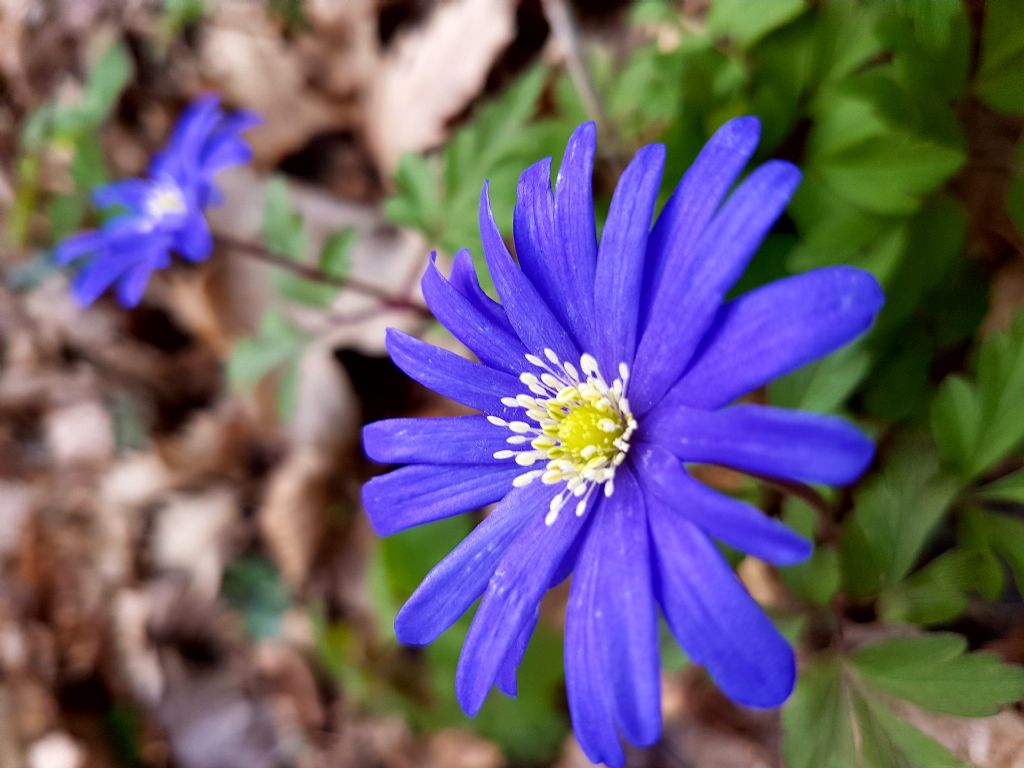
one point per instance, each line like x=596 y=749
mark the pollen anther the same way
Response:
x=578 y=422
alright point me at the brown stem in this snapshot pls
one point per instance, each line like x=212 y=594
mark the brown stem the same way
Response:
x=565 y=30
x=316 y=274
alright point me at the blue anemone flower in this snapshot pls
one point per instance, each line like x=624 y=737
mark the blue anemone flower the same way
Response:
x=162 y=212
x=606 y=369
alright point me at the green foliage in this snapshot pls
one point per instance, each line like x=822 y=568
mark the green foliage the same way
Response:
x=277 y=348
x=816 y=580
x=252 y=586
x=840 y=696
x=71 y=129
x=733 y=18
x=285 y=235
x=977 y=423
x=934 y=672
x=895 y=512
x=439 y=195
x=530 y=727
x=998 y=82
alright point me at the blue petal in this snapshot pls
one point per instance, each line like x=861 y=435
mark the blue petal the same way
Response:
x=451 y=587
x=457 y=440
x=194 y=240
x=510 y=603
x=77 y=246
x=670 y=247
x=508 y=682
x=685 y=302
x=96 y=277
x=454 y=377
x=737 y=524
x=132 y=284
x=130 y=193
x=458 y=314
x=623 y=610
x=537 y=245
x=768 y=441
x=529 y=314
x=420 y=494
x=620 y=258
x=714 y=619
x=586 y=680
x=777 y=328
x=464 y=279
x=574 y=223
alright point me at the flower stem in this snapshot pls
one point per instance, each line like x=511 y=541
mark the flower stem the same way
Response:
x=309 y=272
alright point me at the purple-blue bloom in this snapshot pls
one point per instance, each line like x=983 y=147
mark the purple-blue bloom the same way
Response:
x=606 y=369
x=162 y=212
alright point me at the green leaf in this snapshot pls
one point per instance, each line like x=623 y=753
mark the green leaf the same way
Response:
x=886 y=740
x=932 y=20
x=933 y=672
x=1003 y=535
x=817 y=722
x=895 y=513
x=938 y=593
x=277 y=343
x=336 y=254
x=284 y=231
x=817 y=579
x=977 y=424
x=998 y=81
x=253 y=586
x=1009 y=488
x=824 y=386
x=108 y=75
x=733 y=18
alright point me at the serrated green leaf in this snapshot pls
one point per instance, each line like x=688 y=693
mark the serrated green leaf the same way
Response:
x=1009 y=488
x=108 y=75
x=932 y=672
x=277 y=342
x=1003 y=535
x=939 y=592
x=817 y=724
x=336 y=254
x=956 y=421
x=888 y=741
x=978 y=424
x=733 y=18
x=895 y=513
x=823 y=386
x=998 y=81
x=284 y=231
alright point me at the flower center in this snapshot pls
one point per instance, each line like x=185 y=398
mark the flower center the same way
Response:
x=165 y=200
x=578 y=424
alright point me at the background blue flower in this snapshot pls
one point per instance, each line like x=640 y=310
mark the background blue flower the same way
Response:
x=611 y=365
x=162 y=213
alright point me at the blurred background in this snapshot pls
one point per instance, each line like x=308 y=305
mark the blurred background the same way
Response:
x=186 y=576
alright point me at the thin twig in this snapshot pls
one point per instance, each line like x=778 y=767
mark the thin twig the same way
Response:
x=565 y=30
x=316 y=274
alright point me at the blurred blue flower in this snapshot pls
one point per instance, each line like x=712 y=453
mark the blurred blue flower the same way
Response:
x=162 y=212
x=607 y=368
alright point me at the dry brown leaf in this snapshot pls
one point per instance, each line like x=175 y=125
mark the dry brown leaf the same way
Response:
x=80 y=433
x=192 y=536
x=988 y=742
x=457 y=748
x=56 y=750
x=432 y=73
x=248 y=60
x=291 y=519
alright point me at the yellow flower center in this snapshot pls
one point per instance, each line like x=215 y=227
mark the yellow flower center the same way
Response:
x=579 y=425
x=586 y=429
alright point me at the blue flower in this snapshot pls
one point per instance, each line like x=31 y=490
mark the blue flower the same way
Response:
x=606 y=369
x=162 y=212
